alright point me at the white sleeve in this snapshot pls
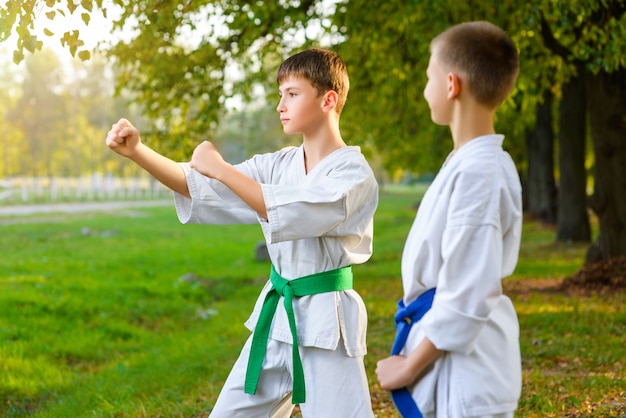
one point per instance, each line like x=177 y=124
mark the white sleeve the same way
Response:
x=339 y=203
x=212 y=202
x=469 y=281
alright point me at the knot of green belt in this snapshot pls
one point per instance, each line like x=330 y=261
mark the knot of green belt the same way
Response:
x=329 y=281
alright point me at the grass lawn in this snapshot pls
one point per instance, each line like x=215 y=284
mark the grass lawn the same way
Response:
x=130 y=314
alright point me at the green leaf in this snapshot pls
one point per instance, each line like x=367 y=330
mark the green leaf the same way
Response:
x=48 y=32
x=84 y=55
x=86 y=17
x=30 y=43
x=87 y=5
x=72 y=41
x=51 y=14
x=18 y=56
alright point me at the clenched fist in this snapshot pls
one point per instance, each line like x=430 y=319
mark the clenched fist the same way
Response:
x=123 y=138
x=207 y=160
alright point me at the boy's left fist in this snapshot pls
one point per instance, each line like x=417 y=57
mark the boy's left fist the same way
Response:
x=207 y=160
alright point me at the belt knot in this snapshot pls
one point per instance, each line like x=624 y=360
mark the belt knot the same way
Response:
x=280 y=285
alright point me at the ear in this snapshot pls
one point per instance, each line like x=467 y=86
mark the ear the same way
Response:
x=330 y=100
x=454 y=85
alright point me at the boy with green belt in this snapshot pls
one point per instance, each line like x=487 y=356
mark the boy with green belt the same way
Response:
x=315 y=204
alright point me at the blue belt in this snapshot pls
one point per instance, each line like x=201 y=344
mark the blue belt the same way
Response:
x=405 y=317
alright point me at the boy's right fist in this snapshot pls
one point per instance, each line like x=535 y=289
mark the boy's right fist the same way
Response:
x=123 y=138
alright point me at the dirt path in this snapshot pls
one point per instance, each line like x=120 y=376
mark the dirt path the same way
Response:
x=70 y=208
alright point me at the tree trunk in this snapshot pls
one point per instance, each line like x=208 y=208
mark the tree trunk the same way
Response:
x=573 y=219
x=541 y=189
x=607 y=117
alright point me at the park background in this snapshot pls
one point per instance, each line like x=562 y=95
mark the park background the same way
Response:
x=127 y=313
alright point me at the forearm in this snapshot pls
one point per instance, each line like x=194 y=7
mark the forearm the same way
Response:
x=246 y=188
x=398 y=371
x=423 y=356
x=166 y=171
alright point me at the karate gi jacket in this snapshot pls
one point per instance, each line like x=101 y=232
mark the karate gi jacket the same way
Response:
x=464 y=240
x=315 y=222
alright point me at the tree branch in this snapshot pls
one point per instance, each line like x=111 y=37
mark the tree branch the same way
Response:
x=550 y=41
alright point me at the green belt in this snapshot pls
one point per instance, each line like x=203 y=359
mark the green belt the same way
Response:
x=329 y=281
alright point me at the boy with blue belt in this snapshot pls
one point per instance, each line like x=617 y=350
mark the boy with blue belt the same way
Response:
x=315 y=204
x=456 y=353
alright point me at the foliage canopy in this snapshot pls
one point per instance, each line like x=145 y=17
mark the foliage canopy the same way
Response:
x=184 y=58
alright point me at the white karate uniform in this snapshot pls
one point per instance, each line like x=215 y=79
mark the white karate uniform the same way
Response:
x=464 y=240
x=316 y=222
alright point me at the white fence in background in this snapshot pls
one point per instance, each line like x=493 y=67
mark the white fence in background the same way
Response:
x=82 y=189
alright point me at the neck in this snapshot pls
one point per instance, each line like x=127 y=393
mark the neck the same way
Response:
x=471 y=123
x=320 y=143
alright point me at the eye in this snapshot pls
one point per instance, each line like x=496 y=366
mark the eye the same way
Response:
x=292 y=94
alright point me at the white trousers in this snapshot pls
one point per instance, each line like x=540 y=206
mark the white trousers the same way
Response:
x=336 y=385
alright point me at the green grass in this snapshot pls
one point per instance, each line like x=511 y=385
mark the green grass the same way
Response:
x=98 y=316
x=95 y=319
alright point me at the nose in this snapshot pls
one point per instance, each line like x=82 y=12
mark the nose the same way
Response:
x=281 y=105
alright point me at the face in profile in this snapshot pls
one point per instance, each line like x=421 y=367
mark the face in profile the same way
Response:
x=436 y=92
x=300 y=106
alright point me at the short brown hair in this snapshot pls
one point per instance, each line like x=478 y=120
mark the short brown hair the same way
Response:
x=484 y=54
x=324 y=69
